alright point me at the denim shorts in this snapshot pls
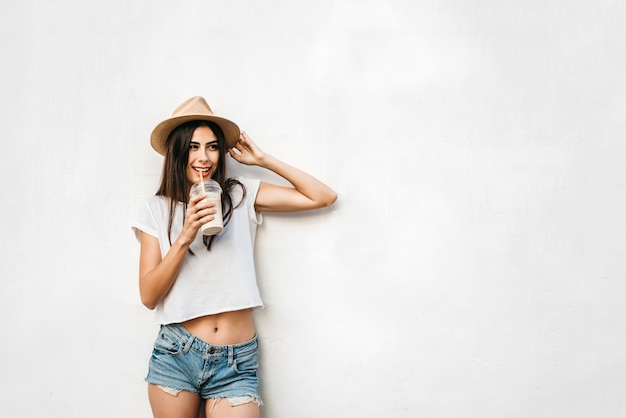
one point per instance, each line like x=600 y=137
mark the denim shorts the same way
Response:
x=180 y=361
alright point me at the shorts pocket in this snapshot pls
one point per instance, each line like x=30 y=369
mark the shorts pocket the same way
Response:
x=168 y=342
x=247 y=362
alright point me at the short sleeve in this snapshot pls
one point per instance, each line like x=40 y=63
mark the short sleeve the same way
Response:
x=252 y=189
x=145 y=222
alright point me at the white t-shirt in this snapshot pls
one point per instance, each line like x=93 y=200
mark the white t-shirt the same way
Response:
x=209 y=282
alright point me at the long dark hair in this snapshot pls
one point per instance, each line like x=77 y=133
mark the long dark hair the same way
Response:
x=174 y=182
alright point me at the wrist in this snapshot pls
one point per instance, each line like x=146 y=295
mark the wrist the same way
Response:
x=267 y=161
x=182 y=243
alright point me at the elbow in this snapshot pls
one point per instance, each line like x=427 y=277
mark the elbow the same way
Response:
x=150 y=306
x=148 y=301
x=329 y=199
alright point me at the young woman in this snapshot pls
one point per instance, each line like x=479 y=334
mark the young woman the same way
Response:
x=203 y=289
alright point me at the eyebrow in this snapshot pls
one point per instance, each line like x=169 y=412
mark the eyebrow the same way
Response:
x=208 y=143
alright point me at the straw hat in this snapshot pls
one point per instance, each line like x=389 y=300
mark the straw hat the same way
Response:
x=195 y=108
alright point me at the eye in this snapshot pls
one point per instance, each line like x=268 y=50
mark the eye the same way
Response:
x=214 y=146
x=193 y=146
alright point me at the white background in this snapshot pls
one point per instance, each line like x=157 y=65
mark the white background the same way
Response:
x=473 y=265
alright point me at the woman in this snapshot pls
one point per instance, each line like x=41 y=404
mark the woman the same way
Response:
x=203 y=289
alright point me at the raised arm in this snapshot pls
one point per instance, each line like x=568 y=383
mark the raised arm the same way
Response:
x=307 y=191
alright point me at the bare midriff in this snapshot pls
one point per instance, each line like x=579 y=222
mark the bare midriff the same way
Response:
x=223 y=329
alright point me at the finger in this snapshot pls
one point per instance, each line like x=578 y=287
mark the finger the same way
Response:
x=193 y=200
x=244 y=138
x=235 y=146
x=203 y=216
x=206 y=218
x=197 y=219
x=236 y=152
x=204 y=205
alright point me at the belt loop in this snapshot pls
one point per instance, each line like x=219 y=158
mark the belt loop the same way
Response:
x=231 y=355
x=187 y=345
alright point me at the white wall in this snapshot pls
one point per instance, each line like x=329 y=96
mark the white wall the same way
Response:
x=473 y=266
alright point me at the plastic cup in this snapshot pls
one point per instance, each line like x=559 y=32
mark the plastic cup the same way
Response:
x=213 y=192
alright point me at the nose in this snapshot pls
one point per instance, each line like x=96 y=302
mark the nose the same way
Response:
x=204 y=153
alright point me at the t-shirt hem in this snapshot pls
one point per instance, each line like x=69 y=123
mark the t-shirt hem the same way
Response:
x=166 y=321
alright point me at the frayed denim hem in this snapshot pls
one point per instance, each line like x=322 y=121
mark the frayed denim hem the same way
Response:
x=236 y=401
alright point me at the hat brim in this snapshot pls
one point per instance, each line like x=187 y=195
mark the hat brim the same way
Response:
x=162 y=131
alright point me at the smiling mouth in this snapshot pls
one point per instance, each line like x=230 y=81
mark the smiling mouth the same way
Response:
x=203 y=171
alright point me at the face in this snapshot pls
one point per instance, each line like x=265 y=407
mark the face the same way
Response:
x=204 y=154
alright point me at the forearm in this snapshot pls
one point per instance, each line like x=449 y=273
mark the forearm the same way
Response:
x=318 y=193
x=155 y=283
